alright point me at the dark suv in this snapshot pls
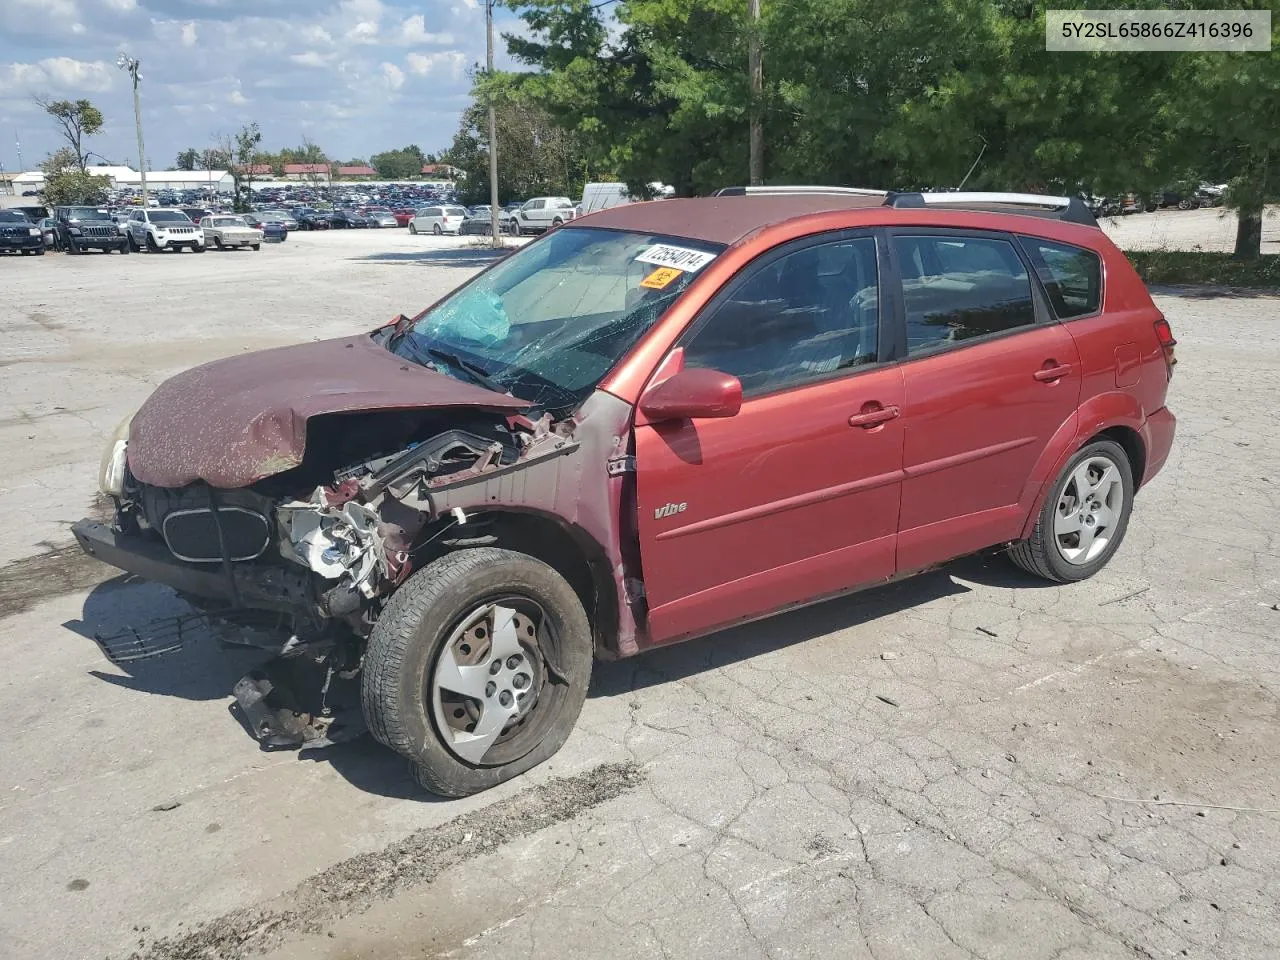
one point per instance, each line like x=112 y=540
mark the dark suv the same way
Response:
x=19 y=233
x=88 y=228
x=654 y=422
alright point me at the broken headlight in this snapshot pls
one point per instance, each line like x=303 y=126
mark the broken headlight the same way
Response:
x=111 y=473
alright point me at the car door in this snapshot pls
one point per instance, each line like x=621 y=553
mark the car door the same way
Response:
x=533 y=213
x=990 y=379
x=796 y=496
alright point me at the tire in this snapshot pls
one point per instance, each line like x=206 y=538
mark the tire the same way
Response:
x=133 y=244
x=436 y=229
x=398 y=688
x=73 y=248
x=1043 y=553
x=123 y=248
x=257 y=246
x=152 y=247
x=556 y=223
x=39 y=253
x=217 y=242
x=198 y=248
x=413 y=229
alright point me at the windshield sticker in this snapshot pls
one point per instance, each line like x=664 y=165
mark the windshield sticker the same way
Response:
x=662 y=277
x=679 y=258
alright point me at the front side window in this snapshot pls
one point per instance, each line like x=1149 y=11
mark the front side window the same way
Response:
x=549 y=321
x=801 y=317
x=958 y=288
x=535 y=205
x=1072 y=276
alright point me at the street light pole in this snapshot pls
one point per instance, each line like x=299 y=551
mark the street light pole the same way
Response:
x=494 y=222
x=130 y=65
x=755 y=66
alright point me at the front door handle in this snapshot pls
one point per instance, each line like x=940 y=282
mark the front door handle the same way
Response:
x=1052 y=371
x=873 y=415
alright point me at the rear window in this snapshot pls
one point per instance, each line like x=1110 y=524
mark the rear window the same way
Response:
x=455 y=212
x=1072 y=276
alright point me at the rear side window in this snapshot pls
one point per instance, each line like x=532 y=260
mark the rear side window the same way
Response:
x=1072 y=276
x=958 y=288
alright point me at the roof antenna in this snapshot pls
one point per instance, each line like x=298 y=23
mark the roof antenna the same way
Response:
x=975 y=162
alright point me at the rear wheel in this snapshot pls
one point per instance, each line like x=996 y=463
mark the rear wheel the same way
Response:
x=437 y=230
x=1084 y=518
x=412 y=228
x=477 y=669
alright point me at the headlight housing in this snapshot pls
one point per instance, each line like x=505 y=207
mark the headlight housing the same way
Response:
x=111 y=473
x=34 y=231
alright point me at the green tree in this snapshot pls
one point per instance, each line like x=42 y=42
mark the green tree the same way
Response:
x=76 y=120
x=402 y=164
x=66 y=183
x=188 y=159
x=241 y=150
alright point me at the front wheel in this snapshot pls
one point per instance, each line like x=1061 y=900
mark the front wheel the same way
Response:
x=413 y=229
x=257 y=246
x=198 y=248
x=133 y=244
x=73 y=247
x=217 y=242
x=1084 y=518
x=477 y=669
x=152 y=246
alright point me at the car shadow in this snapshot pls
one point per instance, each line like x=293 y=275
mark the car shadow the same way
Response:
x=456 y=257
x=1212 y=292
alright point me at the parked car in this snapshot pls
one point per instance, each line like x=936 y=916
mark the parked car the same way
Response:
x=49 y=231
x=279 y=216
x=438 y=219
x=80 y=229
x=562 y=458
x=348 y=220
x=228 y=231
x=309 y=219
x=160 y=229
x=380 y=217
x=273 y=231
x=403 y=215
x=18 y=233
x=543 y=213
x=480 y=223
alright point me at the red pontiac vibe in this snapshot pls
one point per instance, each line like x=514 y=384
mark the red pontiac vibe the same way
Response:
x=651 y=423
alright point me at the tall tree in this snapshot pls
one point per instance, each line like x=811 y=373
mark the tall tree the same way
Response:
x=401 y=164
x=187 y=159
x=67 y=183
x=241 y=149
x=76 y=120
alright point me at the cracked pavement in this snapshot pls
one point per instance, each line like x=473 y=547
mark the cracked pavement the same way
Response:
x=969 y=764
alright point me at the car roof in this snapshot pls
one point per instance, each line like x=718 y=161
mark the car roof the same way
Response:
x=729 y=219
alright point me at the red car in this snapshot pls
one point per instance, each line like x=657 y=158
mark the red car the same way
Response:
x=403 y=216
x=654 y=422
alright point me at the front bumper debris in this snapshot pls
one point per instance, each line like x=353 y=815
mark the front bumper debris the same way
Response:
x=251 y=585
x=270 y=704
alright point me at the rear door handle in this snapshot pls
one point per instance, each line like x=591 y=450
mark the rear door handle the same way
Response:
x=1055 y=372
x=874 y=417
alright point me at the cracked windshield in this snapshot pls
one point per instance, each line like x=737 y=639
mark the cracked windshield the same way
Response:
x=548 y=323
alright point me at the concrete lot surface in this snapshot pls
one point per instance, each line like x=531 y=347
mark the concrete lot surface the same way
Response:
x=968 y=764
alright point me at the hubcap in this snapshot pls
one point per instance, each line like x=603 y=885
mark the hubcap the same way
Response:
x=1089 y=509
x=487 y=677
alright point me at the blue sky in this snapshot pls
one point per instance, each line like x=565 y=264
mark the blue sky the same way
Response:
x=356 y=76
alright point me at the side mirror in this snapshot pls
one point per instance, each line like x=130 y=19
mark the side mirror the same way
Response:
x=693 y=393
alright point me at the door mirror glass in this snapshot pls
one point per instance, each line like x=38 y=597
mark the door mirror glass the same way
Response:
x=693 y=393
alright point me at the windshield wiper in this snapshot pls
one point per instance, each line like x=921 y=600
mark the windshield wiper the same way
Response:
x=473 y=370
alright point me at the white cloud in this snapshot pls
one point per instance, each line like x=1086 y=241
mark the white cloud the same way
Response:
x=311 y=58
x=393 y=75
x=123 y=6
x=366 y=31
x=64 y=74
x=413 y=31
x=424 y=64
x=238 y=98
x=314 y=33
x=189 y=35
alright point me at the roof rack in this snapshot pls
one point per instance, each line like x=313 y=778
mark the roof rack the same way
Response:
x=793 y=190
x=1070 y=209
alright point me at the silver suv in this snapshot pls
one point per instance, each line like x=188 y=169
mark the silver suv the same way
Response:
x=163 y=229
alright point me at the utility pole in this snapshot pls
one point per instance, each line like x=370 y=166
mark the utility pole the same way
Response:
x=130 y=66
x=494 y=223
x=18 y=143
x=755 y=64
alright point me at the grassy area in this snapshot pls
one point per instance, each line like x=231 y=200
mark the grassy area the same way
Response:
x=1160 y=267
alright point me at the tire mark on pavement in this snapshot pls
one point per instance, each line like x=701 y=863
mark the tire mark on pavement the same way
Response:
x=353 y=885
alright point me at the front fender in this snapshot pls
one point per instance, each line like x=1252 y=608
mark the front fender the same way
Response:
x=1100 y=412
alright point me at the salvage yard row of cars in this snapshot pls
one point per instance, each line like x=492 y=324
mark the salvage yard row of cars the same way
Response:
x=445 y=520
x=80 y=229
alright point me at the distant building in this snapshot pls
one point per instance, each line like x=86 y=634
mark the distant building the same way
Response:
x=306 y=171
x=364 y=171
x=448 y=171
x=259 y=170
x=126 y=178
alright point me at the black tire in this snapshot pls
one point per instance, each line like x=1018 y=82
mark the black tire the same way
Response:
x=1039 y=554
x=410 y=633
x=152 y=246
x=437 y=230
x=133 y=244
x=217 y=242
x=73 y=247
x=257 y=246
x=413 y=229
x=556 y=223
x=123 y=248
x=39 y=253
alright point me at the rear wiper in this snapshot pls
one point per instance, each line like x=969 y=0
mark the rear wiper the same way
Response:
x=475 y=371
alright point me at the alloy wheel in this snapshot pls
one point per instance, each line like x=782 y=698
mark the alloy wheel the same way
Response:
x=1089 y=509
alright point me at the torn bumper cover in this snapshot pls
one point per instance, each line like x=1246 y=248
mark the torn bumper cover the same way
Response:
x=260 y=586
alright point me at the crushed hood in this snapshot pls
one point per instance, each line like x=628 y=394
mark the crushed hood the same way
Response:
x=233 y=422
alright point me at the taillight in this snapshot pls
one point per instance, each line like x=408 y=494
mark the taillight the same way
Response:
x=1164 y=333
